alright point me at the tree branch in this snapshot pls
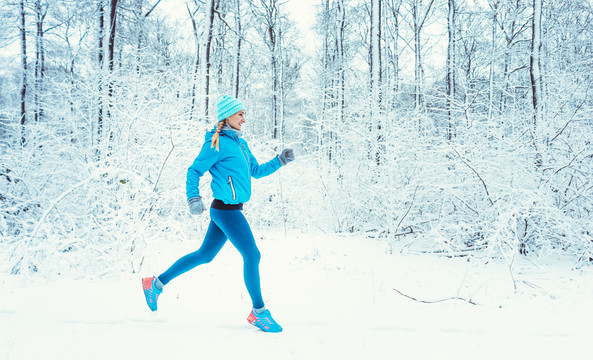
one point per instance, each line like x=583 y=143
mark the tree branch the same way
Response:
x=156 y=183
x=407 y=212
x=425 y=15
x=434 y=301
x=229 y=26
x=150 y=11
x=570 y=163
x=477 y=174
x=573 y=114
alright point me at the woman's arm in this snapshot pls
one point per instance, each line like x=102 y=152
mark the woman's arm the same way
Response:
x=206 y=158
x=259 y=171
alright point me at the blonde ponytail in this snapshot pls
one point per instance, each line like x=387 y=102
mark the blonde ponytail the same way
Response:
x=216 y=136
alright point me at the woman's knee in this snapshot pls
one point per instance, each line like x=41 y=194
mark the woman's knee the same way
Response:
x=252 y=256
x=202 y=257
x=256 y=255
x=208 y=256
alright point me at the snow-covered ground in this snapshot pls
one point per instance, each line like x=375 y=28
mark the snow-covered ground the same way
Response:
x=333 y=294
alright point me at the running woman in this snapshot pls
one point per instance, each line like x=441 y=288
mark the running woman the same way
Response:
x=227 y=157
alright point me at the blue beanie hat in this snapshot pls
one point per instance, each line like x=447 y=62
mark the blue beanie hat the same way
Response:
x=228 y=106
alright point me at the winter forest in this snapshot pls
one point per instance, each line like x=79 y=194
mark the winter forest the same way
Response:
x=443 y=148
x=465 y=125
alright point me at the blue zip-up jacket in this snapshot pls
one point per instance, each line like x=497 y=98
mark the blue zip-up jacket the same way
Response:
x=231 y=168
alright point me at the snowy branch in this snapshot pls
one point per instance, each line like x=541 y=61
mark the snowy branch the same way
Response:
x=434 y=301
x=477 y=174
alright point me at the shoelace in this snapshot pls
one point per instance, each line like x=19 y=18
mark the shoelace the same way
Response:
x=265 y=321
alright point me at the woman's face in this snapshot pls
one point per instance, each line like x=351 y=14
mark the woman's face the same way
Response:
x=235 y=121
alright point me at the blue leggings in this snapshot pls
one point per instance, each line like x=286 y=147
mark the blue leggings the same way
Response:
x=231 y=225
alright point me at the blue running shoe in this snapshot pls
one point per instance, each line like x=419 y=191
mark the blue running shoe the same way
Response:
x=264 y=321
x=151 y=292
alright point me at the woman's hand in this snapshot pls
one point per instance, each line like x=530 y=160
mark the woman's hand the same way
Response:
x=196 y=206
x=286 y=156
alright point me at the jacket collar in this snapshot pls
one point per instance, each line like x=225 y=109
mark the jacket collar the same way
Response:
x=227 y=128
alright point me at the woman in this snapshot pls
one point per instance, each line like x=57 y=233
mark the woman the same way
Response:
x=230 y=162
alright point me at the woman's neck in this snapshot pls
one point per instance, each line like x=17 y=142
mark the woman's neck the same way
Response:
x=227 y=127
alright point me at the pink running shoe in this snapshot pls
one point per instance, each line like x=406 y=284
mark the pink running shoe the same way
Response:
x=151 y=292
x=264 y=321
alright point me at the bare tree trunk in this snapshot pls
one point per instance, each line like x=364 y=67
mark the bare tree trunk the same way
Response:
x=196 y=62
x=275 y=109
x=419 y=18
x=494 y=6
x=237 y=77
x=112 y=32
x=39 y=58
x=450 y=68
x=380 y=50
x=24 y=68
x=341 y=58
x=375 y=51
x=535 y=71
x=417 y=59
x=274 y=61
x=510 y=38
x=100 y=59
x=272 y=11
x=333 y=77
x=375 y=87
x=325 y=80
x=111 y=47
x=140 y=34
x=326 y=58
x=507 y=65
x=272 y=35
x=392 y=56
x=110 y=67
x=209 y=23
x=341 y=69
x=396 y=48
x=219 y=45
x=280 y=86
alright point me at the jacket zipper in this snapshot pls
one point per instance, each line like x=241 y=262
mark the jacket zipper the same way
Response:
x=244 y=152
x=232 y=188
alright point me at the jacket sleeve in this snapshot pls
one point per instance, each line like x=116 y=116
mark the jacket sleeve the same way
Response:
x=259 y=171
x=206 y=158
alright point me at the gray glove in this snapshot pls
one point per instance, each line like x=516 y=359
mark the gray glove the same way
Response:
x=196 y=206
x=286 y=156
